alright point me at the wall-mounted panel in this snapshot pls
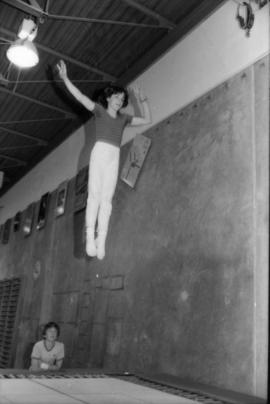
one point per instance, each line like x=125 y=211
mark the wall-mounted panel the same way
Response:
x=9 y=296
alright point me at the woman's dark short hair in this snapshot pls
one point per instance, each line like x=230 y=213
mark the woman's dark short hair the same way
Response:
x=51 y=324
x=101 y=95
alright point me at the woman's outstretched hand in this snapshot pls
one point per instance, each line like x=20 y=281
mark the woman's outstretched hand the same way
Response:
x=62 y=69
x=138 y=93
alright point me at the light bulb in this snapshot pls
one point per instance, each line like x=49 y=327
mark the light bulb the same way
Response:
x=23 y=54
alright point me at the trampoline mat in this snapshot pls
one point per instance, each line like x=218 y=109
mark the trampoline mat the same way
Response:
x=86 y=388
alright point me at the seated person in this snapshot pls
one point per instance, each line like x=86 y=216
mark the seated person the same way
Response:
x=48 y=354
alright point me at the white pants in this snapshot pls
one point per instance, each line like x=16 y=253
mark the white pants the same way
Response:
x=103 y=174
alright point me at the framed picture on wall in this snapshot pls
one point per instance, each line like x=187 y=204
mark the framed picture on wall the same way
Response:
x=81 y=189
x=17 y=221
x=42 y=211
x=61 y=197
x=6 y=231
x=135 y=159
x=28 y=219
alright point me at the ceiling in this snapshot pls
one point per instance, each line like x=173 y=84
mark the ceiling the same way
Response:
x=101 y=41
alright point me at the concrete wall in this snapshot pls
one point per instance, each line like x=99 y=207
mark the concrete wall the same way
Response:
x=210 y=54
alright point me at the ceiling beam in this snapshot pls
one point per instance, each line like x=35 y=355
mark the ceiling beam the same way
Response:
x=45 y=81
x=35 y=10
x=25 y=7
x=18 y=161
x=101 y=21
x=32 y=120
x=39 y=142
x=188 y=22
x=35 y=101
x=5 y=167
x=35 y=4
x=60 y=55
x=12 y=148
x=162 y=21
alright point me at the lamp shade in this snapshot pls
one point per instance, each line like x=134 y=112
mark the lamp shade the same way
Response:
x=28 y=29
x=23 y=53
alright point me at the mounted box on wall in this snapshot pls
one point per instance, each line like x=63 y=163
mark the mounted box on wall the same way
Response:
x=28 y=219
x=81 y=189
x=61 y=199
x=135 y=159
x=1 y=178
x=6 y=231
x=17 y=221
x=43 y=210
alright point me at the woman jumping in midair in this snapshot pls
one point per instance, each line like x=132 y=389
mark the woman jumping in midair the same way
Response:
x=104 y=159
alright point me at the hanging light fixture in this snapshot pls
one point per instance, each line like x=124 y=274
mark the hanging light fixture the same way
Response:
x=23 y=52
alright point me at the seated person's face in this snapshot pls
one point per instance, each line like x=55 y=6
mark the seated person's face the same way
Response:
x=51 y=334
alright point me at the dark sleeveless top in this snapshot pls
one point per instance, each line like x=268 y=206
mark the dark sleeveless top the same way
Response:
x=108 y=129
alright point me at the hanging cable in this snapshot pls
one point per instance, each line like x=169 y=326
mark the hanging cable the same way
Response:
x=17 y=81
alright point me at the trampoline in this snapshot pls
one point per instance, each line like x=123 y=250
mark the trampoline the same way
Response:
x=88 y=387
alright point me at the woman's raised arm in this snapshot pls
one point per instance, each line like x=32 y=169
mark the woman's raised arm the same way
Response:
x=83 y=99
x=145 y=119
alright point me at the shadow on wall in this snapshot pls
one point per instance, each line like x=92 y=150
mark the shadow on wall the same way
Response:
x=81 y=185
x=29 y=346
x=89 y=140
